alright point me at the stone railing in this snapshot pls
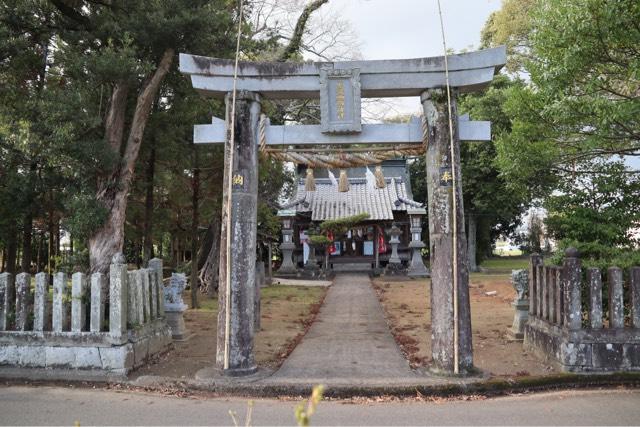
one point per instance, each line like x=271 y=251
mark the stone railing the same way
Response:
x=68 y=327
x=578 y=338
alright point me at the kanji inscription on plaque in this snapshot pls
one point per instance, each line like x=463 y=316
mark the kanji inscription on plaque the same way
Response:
x=340 y=101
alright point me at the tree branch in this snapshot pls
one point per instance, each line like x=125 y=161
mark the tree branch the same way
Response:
x=71 y=13
x=296 y=38
x=141 y=116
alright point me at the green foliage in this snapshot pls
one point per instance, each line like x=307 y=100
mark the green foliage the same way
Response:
x=87 y=216
x=598 y=208
x=511 y=26
x=583 y=99
x=595 y=212
x=319 y=240
x=598 y=255
x=341 y=225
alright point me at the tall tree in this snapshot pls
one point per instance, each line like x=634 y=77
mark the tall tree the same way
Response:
x=128 y=49
x=583 y=98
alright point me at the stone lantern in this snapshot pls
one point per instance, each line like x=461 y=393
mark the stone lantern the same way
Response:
x=416 y=265
x=287 y=246
x=395 y=241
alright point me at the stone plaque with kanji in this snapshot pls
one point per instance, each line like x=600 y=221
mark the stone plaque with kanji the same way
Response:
x=340 y=101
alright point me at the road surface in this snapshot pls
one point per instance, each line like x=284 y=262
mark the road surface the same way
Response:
x=21 y=405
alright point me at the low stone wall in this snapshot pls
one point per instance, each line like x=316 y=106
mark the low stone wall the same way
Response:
x=582 y=340
x=69 y=327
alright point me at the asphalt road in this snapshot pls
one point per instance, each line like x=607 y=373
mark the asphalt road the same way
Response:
x=21 y=405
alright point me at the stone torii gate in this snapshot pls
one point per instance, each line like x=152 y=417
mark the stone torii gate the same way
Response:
x=340 y=86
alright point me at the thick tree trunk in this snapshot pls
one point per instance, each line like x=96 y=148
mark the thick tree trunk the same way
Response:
x=195 y=202
x=148 y=206
x=109 y=239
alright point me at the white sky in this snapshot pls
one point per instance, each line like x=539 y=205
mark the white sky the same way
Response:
x=391 y=29
x=396 y=29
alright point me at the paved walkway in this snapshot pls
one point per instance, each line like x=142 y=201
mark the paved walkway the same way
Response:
x=349 y=342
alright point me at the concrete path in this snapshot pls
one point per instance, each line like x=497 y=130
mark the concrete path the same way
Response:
x=349 y=343
x=21 y=405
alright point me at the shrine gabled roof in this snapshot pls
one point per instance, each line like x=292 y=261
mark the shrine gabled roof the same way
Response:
x=326 y=202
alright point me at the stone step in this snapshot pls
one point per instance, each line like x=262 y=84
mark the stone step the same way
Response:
x=352 y=267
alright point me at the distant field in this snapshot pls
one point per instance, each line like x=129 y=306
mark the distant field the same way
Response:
x=506 y=263
x=507 y=252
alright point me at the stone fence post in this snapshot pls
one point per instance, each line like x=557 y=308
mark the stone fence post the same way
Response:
x=23 y=301
x=155 y=265
x=616 y=295
x=60 y=302
x=78 y=308
x=97 y=302
x=41 y=309
x=635 y=297
x=572 y=293
x=7 y=299
x=118 y=293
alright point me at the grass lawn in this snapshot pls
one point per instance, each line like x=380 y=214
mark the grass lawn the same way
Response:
x=408 y=312
x=505 y=263
x=286 y=313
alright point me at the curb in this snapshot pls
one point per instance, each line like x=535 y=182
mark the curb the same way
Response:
x=488 y=388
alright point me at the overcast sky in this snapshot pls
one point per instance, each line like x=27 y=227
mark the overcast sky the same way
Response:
x=396 y=29
x=390 y=29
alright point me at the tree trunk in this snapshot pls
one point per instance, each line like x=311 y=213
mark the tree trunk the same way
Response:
x=39 y=253
x=471 y=242
x=112 y=192
x=50 y=248
x=148 y=205
x=209 y=268
x=12 y=248
x=27 y=234
x=194 y=229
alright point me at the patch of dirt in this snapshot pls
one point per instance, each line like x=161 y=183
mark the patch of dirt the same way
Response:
x=408 y=311
x=287 y=313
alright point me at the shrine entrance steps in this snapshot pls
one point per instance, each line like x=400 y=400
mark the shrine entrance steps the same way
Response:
x=349 y=343
x=352 y=267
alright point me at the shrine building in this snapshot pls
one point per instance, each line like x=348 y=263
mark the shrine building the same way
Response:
x=395 y=218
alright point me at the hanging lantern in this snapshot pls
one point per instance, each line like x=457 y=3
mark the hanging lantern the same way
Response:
x=343 y=184
x=380 y=181
x=310 y=182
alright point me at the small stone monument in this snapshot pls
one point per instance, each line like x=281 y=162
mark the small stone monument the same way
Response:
x=174 y=307
x=520 y=282
x=394 y=266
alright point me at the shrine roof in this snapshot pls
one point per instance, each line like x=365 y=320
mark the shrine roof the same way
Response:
x=326 y=202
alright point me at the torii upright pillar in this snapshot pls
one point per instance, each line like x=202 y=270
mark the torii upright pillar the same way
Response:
x=235 y=356
x=441 y=241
